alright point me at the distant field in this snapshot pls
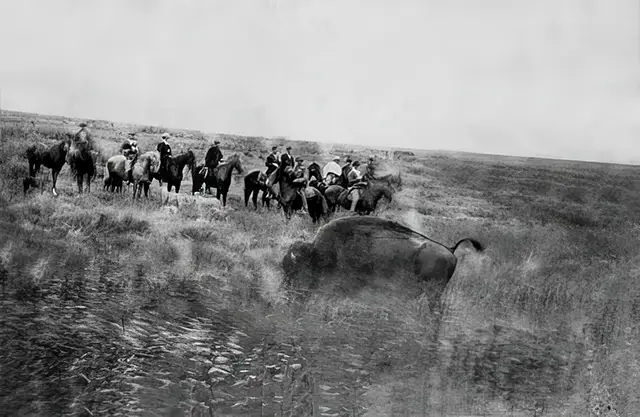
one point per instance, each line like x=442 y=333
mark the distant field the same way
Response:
x=111 y=307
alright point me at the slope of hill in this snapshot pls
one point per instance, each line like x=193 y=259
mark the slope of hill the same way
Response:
x=111 y=307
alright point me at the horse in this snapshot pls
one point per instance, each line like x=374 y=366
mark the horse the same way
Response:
x=291 y=201
x=254 y=182
x=115 y=172
x=81 y=160
x=52 y=157
x=369 y=197
x=174 y=168
x=220 y=178
x=142 y=172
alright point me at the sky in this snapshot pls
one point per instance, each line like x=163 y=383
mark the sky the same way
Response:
x=548 y=78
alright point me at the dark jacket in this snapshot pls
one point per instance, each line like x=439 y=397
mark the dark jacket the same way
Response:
x=286 y=160
x=164 y=149
x=271 y=159
x=213 y=157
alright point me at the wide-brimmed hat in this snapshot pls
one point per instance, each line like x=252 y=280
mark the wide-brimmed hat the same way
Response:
x=83 y=124
x=274 y=148
x=298 y=159
x=216 y=142
x=288 y=147
x=349 y=159
x=357 y=163
x=165 y=135
x=336 y=158
x=131 y=133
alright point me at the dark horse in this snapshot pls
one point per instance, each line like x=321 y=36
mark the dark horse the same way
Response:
x=254 y=182
x=220 y=178
x=291 y=201
x=81 y=160
x=52 y=157
x=175 y=166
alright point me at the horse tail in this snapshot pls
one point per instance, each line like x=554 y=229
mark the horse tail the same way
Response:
x=477 y=245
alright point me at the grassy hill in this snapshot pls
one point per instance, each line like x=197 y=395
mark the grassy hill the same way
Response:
x=111 y=307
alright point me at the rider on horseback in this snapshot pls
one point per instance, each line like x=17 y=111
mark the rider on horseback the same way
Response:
x=165 y=153
x=212 y=159
x=356 y=183
x=130 y=151
x=299 y=174
x=83 y=141
x=272 y=164
x=83 y=136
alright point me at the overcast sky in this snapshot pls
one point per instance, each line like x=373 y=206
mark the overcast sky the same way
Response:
x=556 y=78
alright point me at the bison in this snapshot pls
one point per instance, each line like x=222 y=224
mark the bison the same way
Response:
x=351 y=253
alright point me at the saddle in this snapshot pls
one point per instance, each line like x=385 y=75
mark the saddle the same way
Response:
x=356 y=186
x=207 y=172
x=299 y=182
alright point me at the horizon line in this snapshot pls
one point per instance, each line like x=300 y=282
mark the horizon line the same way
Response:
x=283 y=137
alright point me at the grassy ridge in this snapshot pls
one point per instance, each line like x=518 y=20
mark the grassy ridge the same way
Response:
x=117 y=308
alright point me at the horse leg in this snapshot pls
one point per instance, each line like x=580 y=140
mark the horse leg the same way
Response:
x=218 y=194
x=54 y=179
x=255 y=199
x=146 y=190
x=79 y=183
x=89 y=178
x=196 y=185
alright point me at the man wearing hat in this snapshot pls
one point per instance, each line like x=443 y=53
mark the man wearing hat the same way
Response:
x=272 y=164
x=84 y=135
x=286 y=159
x=356 y=183
x=83 y=132
x=130 y=151
x=213 y=157
x=331 y=171
x=299 y=172
x=130 y=146
x=165 y=153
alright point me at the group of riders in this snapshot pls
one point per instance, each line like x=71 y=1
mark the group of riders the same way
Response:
x=294 y=167
x=331 y=173
x=130 y=150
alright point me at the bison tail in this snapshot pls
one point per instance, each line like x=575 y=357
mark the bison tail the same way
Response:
x=477 y=245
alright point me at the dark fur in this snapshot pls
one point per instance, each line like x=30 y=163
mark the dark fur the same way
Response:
x=254 y=182
x=82 y=164
x=174 y=168
x=354 y=252
x=52 y=157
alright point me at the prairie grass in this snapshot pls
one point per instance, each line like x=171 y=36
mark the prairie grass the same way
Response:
x=138 y=308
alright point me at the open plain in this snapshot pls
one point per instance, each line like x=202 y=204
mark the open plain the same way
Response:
x=116 y=307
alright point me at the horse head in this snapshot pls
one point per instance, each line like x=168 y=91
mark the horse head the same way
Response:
x=236 y=163
x=189 y=160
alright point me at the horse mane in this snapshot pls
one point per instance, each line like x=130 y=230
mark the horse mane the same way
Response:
x=234 y=156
